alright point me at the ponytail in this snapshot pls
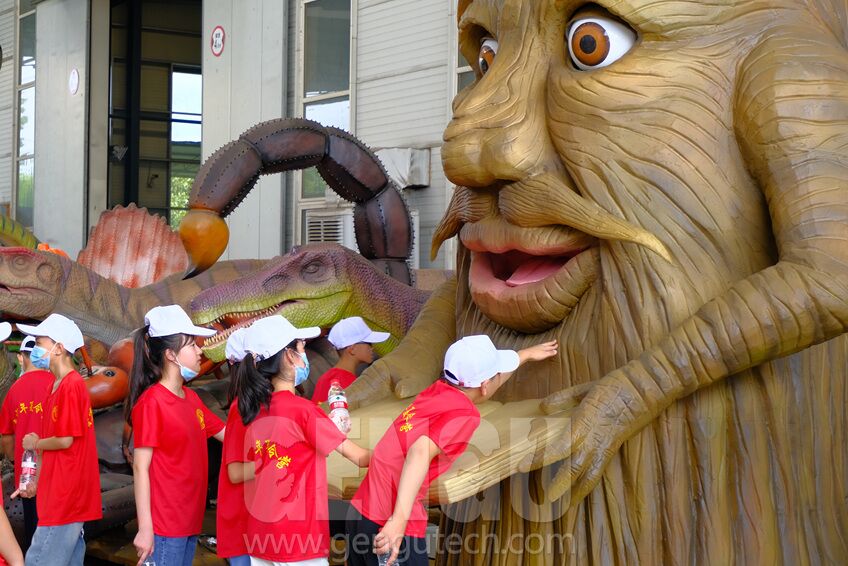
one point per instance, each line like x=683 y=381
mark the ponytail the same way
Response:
x=148 y=362
x=253 y=384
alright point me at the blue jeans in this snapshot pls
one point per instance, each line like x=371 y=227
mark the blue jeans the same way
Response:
x=173 y=551
x=243 y=560
x=60 y=546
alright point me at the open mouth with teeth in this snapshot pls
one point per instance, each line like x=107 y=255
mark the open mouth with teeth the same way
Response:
x=229 y=322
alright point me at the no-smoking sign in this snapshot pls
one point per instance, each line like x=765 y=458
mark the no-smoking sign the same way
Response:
x=217 y=41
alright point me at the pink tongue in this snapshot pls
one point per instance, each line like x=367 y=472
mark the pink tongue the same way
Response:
x=535 y=270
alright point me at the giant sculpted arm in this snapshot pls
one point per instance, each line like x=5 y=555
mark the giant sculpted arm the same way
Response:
x=791 y=121
x=412 y=366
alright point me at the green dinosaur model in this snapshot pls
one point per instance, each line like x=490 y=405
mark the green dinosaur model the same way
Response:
x=314 y=285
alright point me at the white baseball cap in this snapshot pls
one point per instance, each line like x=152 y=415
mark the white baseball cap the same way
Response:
x=172 y=319
x=269 y=335
x=59 y=329
x=353 y=330
x=27 y=343
x=474 y=359
x=234 y=351
x=5 y=330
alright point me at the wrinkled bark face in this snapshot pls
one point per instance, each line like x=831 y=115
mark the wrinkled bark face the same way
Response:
x=583 y=117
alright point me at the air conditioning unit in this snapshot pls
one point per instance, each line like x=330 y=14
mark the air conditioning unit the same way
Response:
x=336 y=225
x=333 y=225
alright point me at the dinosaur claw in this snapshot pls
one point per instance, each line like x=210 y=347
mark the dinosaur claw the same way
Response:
x=205 y=236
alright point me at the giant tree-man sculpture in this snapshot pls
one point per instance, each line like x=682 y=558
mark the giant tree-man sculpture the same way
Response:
x=663 y=187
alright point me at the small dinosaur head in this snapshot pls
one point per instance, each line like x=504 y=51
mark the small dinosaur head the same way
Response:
x=310 y=286
x=31 y=282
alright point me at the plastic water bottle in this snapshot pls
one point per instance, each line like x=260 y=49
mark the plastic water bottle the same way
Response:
x=339 y=413
x=383 y=559
x=28 y=468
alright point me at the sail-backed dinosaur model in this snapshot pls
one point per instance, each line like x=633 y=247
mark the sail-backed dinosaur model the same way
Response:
x=662 y=187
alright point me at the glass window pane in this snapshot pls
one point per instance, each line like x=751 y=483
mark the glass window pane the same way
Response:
x=186 y=93
x=460 y=60
x=119 y=86
x=116 y=183
x=154 y=88
x=183 y=132
x=153 y=140
x=313 y=184
x=326 y=63
x=464 y=79
x=333 y=112
x=27 y=39
x=153 y=184
x=26 y=191
x=26 y=121
x=26 y=6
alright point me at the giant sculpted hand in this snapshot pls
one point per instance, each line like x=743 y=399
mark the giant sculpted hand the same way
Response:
x=417 y=361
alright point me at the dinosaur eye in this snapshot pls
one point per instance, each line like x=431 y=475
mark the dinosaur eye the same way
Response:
x=488 y=50
x=596 y=41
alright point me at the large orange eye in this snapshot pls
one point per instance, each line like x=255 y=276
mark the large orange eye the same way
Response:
x=596 y=41
x=590 y=44
x=488 y=51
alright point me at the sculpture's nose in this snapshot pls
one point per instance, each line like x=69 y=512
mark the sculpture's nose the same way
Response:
x=498 y=131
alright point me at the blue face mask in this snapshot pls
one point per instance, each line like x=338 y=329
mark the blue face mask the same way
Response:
x=187 y=373
x=301 y=374
x=40 y=357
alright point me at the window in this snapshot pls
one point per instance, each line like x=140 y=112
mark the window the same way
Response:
x=325 y=93
x=186 y=114
x=155 y=112
x=25 y=104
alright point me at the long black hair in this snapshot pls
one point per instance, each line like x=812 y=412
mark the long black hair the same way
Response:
x=253 y=383
x=148 y=361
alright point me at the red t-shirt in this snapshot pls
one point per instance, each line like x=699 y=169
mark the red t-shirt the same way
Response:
x=443 y=414
x=23 y=409
x=232 y=512
x=288 y=517
x=344 y=377
x=69 y=482
x=176 y=428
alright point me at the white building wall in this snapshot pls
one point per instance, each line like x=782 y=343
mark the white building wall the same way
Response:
x=403 y=71
x=61 y=123
x=7 y=100
x=246 y=85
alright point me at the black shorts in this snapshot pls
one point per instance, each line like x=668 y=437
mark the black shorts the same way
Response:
x=360 y=544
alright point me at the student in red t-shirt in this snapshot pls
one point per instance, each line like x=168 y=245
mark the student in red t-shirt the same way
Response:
x=421 y=444
x=68 y=483
x=231 y=513
x=287 y=443
x=10 y=552
x=353 y=340
x=22 y=413
x=170 y=428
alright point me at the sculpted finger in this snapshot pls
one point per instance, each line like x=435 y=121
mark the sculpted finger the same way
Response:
x=590 y=477
x=412 y=386
x=566 y=398
x=374 y=384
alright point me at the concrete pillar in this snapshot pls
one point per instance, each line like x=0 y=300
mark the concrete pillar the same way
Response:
x=242 y=86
